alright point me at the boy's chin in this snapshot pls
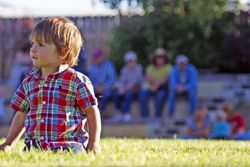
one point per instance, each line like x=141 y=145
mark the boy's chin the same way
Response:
x=36 y=64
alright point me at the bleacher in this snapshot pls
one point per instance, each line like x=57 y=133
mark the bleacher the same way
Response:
x=213 y=91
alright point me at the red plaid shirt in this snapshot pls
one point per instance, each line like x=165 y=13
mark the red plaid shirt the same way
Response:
x=55 y=107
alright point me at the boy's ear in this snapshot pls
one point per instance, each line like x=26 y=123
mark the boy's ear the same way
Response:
x=63 y=55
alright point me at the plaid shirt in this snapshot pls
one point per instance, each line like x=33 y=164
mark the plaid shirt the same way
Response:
x=55 y=107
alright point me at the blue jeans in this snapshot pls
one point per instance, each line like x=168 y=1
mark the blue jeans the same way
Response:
x=124 y=102
x=104 y=99
x=245 y=136
x=159 y=98
x=71 y=147
x=192 y=101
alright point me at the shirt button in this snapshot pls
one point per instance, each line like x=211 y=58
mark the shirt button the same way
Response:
x=45 y=85
x=42 y=120
x=44 y=102
x=42 y=137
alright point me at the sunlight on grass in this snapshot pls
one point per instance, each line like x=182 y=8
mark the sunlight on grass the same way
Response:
x=140 y=152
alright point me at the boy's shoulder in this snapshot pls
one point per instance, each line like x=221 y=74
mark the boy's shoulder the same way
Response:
x=78 y=76
x=33 y=74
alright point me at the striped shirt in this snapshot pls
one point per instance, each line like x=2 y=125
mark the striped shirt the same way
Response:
x=55 y=107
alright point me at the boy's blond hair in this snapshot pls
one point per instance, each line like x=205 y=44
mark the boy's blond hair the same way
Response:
x=63 y=33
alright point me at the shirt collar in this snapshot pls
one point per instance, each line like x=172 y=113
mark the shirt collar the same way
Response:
x=37 y=72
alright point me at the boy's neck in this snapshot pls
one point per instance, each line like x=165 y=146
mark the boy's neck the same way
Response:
x=56 y=69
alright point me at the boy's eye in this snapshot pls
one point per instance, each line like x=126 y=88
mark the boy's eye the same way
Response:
x=40 y=44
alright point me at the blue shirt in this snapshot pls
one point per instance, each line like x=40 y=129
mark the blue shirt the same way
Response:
x=103 y=74
x=189 y=77
x=221 y=129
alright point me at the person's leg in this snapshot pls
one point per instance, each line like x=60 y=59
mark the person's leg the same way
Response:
x=144 y=96
x=126 y=104
x=192 y=100
x=160 y=98
x=118 y=99
x=104 y=99
x=171 y=103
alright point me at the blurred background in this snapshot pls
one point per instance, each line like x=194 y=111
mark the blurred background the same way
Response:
x=214 y=35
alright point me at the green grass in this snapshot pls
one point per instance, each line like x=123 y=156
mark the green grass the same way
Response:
x=140 y=152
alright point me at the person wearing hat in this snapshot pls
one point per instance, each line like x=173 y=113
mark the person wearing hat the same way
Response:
x=128 y=85
x=102 y=74
x=182 y=81
x=156 y=83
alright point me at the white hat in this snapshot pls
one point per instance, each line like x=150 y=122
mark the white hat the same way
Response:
x=181 y=59
x=160 y=52
x=130 y=56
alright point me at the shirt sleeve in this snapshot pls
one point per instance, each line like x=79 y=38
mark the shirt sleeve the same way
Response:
x=19 y=101
x=85 y=95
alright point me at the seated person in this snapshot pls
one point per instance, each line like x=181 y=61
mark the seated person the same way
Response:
x=182 y=81
x=156 y=83
x=128 y=85
x=220 y=128
x=199 y=126
x=102 y=74
x=235 y=119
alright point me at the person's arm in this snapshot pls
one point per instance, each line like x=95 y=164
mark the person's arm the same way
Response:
x=241 y=125
x=121 y=80
x=194 y=78
x=15 y=132
x=148 y=76
x=172 y=79
x=111 y=73
x=94 y=125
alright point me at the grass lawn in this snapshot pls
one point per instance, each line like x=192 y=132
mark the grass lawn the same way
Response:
x=140 y=152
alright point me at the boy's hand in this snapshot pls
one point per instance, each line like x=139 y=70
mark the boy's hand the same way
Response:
x=94 y=146
x=5 y=147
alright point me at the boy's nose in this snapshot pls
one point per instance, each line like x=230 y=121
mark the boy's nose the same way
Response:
x=32 y=49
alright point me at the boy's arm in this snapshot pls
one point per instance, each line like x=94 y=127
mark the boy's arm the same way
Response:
x=94 y=124
x=15 y=132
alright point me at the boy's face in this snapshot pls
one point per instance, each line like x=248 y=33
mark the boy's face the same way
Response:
x=44 y=54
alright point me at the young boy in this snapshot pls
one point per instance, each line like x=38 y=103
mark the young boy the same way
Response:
x=54 y=102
